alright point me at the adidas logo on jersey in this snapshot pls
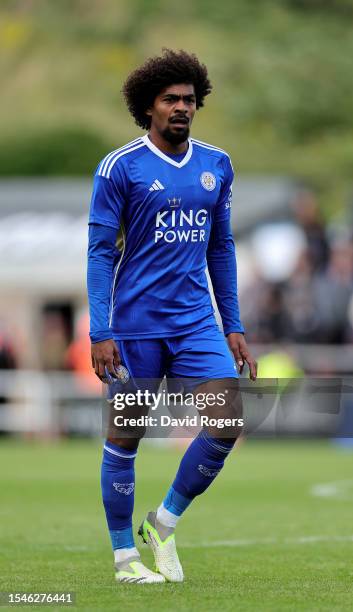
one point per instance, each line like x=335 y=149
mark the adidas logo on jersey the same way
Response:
x=156 y=186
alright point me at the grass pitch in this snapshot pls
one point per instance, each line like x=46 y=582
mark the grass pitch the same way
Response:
x=274 y=532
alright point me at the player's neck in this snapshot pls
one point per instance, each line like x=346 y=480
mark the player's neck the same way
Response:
x=165 y=146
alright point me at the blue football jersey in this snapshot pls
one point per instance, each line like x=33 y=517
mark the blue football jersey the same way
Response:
x=163 y=209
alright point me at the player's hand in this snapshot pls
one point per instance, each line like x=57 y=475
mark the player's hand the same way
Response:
x=105 y=359
x=239 y=348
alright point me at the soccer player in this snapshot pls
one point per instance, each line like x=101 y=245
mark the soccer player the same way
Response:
x=160 y=211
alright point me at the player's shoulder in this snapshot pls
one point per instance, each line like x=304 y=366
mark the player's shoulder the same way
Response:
x=206 y=148
x=120 y=157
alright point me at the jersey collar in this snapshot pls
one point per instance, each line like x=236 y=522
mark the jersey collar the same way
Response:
x=160 y=153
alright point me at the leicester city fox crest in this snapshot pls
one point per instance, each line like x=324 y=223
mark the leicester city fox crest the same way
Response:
x=208 y=181
x=124 y=487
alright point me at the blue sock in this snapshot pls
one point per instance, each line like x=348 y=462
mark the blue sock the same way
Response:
x=118 y=485
x=199 y=467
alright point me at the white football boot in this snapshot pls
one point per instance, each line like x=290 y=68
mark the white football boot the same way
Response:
x=161 y=540
x=132 y=570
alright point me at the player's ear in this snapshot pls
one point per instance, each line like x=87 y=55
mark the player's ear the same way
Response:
x=149 y=111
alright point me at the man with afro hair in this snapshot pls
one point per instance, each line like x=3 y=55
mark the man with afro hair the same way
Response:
x=160 y=213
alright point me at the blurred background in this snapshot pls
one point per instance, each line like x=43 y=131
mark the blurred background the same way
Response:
x=281 y=106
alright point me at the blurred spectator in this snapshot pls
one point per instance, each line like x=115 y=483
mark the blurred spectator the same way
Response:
x=265 y=318
x=350 y=320
x=308 y=299
x=335 y=289
x=54 y=341
x=308 y=217
x=300 y=302
x=8 y=360
x=78 y=357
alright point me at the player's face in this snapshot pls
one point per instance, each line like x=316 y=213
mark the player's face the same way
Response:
x=173 y=111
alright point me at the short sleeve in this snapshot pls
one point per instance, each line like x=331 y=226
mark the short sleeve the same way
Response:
x=108 y=199
x=224 y=204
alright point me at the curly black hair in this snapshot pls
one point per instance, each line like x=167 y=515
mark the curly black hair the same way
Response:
x=145 y=83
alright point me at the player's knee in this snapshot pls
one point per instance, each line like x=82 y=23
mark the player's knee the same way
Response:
x=126 y=428
x=226 y=429
x=125 y=443
x=229 y=441
x=216 y=448
x=126 y=435
x=223 y=410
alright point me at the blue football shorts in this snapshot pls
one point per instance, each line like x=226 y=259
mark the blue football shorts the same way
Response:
x=198 y=357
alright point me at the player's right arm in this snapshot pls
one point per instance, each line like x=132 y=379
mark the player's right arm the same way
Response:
x=104 y=223
x=101 y=249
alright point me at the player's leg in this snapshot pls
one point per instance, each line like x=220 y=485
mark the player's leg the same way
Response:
x=200 y=465
x=205 y=356
x=205 y=456
x=118 y=471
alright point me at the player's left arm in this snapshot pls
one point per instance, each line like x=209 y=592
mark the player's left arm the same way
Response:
x=222 y=267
